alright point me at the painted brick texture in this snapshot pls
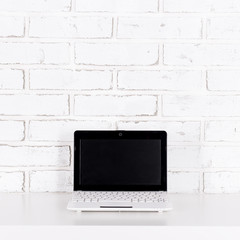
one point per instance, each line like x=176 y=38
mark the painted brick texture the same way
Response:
x=116 y=54
x=170 y=65
x=70 y=27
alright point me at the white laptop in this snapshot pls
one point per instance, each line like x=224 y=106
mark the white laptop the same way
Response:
x=120 y=171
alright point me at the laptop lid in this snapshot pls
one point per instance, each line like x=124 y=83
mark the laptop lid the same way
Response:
x=120 y=160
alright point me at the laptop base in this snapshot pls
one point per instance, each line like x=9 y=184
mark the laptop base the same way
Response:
x=86 y=207
x=119 y=201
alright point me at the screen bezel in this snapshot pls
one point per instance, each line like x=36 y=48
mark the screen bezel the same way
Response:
x=119 y=134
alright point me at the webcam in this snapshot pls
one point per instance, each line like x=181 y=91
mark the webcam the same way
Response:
x=120 y=134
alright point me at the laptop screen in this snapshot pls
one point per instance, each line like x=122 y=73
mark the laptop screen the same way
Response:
x=120 y=162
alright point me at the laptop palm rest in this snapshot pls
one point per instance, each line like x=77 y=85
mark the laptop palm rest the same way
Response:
x=115 y=206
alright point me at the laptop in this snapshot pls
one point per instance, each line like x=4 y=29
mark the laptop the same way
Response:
x=120 y=171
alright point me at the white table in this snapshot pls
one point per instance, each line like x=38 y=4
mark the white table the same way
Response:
x=188 y=210
x=40 y=214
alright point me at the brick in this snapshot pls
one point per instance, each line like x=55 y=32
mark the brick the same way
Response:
x=177 y=131
x=68 y=79
x=71 y=27
x=201 y=6
x=222 y=131
x=11 y=26
x=35 y=6
x=116 y=5
x=21 y=104
x=115 y=105
x=187 y=182
x=51 y=181
x=159 y=27
x=221 y=182
x=116 y=54
x=62 y=130
x=11 y=181
x=34 y=53
x=11 y=79
x=11 y=130
x=202 y=54
x=14 y=156
x=184 y=157
x=221 y=156
x=223 y=80
x=201 y=105
x=223 y=28
x=160 y=80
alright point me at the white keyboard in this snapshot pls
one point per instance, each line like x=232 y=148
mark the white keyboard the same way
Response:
x=141 y=197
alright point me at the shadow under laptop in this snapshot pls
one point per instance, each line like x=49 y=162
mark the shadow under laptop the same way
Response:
x=120 y=218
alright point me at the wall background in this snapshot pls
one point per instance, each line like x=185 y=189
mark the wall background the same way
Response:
x=120 y=64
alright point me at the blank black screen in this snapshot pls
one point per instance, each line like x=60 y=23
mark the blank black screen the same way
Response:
x=120 y=162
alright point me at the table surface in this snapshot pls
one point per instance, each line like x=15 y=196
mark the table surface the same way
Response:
x=188 y=210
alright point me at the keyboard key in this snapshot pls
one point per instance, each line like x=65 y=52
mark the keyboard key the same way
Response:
x=114 y=200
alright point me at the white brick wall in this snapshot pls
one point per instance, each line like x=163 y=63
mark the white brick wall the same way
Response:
x=33 y=105
x=202 y=6
x=35 y=6
x=70 y=80
x=160 y=80
x=186 y=157
x=51 y=181
x=34 y=156
x=15 y=26
x=201 y=105
x=11 y=130
x=116 y=54
x=11 y=79
x=34 y=53
x=159 y=27
x=221 y=182
x=177 y=131
x=68 y=27
x=169 y=65
x=117 y=5
x=183 y=182
x=217 y=28
x=11 y=181
x=188 y=54
x=115 y=105
x=62 y=130
x=224 y=131
x=223 y=80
